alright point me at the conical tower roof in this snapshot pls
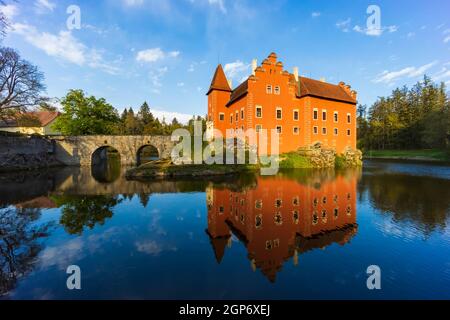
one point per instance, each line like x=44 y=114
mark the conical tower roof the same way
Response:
x=219 y=81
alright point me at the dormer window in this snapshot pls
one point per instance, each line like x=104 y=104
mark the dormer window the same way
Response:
x=269 y=89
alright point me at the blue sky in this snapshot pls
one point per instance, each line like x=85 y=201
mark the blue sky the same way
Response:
x=165 y=51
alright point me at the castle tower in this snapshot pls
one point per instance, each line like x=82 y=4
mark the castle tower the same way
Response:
x=219 y=94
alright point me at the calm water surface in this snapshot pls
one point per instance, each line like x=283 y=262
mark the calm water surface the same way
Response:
x=298 y=235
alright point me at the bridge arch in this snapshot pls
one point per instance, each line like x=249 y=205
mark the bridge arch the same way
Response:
x=146 y=153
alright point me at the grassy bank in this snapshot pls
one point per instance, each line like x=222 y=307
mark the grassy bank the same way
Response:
x=166 y=169
x=418 y=155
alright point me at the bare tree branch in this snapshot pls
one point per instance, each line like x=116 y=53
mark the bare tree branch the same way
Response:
x=21 y=83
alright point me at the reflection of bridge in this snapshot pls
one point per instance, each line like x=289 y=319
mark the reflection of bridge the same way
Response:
x=78 y=150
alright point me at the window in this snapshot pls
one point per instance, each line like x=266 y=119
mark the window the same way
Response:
x=231 y=118
x=279 y=114
x=258 y=204
x=258 y=221
x=296 y=115
x=335 y=131
x=278 y=203
x=278 y=219
x=242 y=128
x=316 y=114
x=349 y=118
x=259 y=112
x=336 y=212
x=316 y=130
x=296 y=201
x=242 y=114
x=279 y=129
x=221 y=209
x=349 y=132
x=324 y=200
x=296 y=130
x=221 y=116
x=324 y=130
x=324 y=115
x=336 y=117
x=295 y=216
x=237 y=116
x=277 y=90
x=258 y=128
x=269 y=89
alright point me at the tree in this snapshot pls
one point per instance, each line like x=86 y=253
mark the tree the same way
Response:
x=21 y=83
x=84 y=115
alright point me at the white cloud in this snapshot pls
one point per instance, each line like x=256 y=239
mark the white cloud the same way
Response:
x=219 y=3
x=389 y=77
x=169 y=115
x=344 y=25
x=43 y=6
x=132 y=3
x=154 y=55
x=316 y=14
x=191 y=68
x=237 y=70
x=373 y=31
x=156 y=76
x=9 y=11
x=180 y=84
x=447 y=35
x=443 y=74
x=64 y=46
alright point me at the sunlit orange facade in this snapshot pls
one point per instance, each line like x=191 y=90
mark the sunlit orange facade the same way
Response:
x=302 y=110
x=280 y=218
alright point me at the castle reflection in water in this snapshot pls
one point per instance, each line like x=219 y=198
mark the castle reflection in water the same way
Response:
x=280 y=218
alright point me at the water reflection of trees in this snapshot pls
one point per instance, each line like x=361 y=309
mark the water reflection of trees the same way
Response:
x=80 y=212
x=19 y=244
x=424 y=201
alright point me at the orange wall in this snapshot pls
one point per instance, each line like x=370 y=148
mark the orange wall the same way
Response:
x=270 y=245
x=272 y=74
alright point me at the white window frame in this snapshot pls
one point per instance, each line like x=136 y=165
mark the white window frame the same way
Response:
x=336 y=117
x=298 y=130
x=324 y=112
x=236 y=118
x=242 y=114
x=315 y=130
x=276 y=113
x=349 y=132
x=298 y=115
x=269 y=89
x=314 y=112
x=277 y=90
x=256 y=112
x=221 y=114
x=258 y=128
x=326 y=131
x=336 y=131
x=349 y=117
x=281 y=129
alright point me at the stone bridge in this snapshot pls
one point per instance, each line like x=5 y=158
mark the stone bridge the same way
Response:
x=78 y=150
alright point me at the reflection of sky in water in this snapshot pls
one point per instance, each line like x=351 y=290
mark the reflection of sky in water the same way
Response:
x=161 y=250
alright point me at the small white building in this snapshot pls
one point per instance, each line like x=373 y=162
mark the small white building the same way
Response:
x=45 y=118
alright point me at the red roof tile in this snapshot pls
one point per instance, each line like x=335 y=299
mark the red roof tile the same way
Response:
x=219 y=81
x=44 y=117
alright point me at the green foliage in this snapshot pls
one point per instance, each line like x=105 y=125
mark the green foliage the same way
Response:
x=339 y=162
x=416 y=118
x=84 y=115
x=293 y=160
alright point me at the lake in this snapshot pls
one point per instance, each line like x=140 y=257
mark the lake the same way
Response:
x=303 y=234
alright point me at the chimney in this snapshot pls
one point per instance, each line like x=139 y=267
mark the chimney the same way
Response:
x=254 y=66
x=296 y=73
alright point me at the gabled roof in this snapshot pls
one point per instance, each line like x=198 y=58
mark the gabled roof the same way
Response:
x=320 y=89
x=239 y=92
x=44 y=117
x=219 y=81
